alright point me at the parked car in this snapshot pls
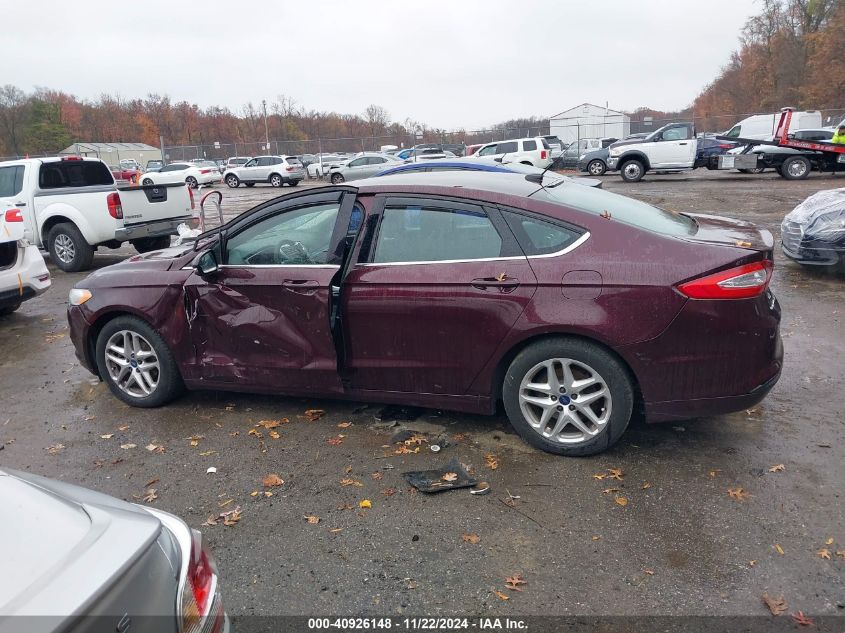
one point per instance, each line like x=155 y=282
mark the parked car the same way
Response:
x=813 y=234
x=482 y=164
x=555 y=145
x=594 y=162
x=236 y=161
x=324 y=164
x=71 y=207
x=154 y=165
x=275 y=170
x=23 y=273
x=129 y=163
x=187 y=173
x=307 y=159
x=452 y=290
x=126 y=174
x=362 y=166
x=428 y=153
x=709 y=145
x=572 y=154
x=531 y=151
x=85 y=561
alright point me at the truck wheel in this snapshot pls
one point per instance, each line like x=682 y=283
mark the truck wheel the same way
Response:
x=232 y=181
x=68 y=248
x=796 y=168
x=632 y=171
x=596 y=167
x=147 y=244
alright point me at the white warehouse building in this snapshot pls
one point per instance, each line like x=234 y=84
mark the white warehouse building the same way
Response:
x=589 y=121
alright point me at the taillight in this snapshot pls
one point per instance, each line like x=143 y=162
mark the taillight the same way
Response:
x=191 y=194
x=543 y=155
x=115 y=208
x=205 y=171
x=14 y=215
x=726 y=146
x=198 y=593
x=71 y=157
x=741 y=282
x=288 y=168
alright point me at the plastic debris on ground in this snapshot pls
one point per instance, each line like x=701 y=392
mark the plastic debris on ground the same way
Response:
x=453 y=475
x=185 y=234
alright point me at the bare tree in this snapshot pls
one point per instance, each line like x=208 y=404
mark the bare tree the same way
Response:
x=13 y=102
x=377 y=118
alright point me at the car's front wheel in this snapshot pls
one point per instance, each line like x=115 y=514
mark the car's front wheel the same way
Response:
x=596 y=167
x=136 y=363
x=568 y=396
x=337 y=179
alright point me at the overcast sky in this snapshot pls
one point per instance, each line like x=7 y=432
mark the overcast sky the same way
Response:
x=448 y=63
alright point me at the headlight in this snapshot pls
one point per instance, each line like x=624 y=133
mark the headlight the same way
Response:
x=78 y=296
x=614 y=152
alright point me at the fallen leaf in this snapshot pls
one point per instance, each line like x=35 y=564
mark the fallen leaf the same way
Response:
x=776 y=605
x=779 y=468
x=256 y=433
x=206 y=453
x=194 y=439
x=471 y=538
x=336 y=530
x=404 y=450
x=335 y=441
x=449 y=477
x=389 y=492
x=416 y=440
x=125 y=427
x=501 y=277
x=779 y=549
x=350 y=482
x=841 y=554
x=801 y=619
x=212 y=520
x=254 y=493
x=615 y=473
x=751 y=563
x=126 y=447
x=649 y=572
x=151 y=482
x=234 y=433
x=605 y=214
x=596 y=537
x=275 y=435
x=312 y=415
x=55 y=448
x=232 y=516
x=272 y=480
x=738 y=493
x=599 y=476
x=500 y=595
x=366 y=503
x=269 y=424
x=645 y=486
x=153 y=447
x=150 y=495
x=823 y=553
x=607 y=491
x=829 y=541
x=460 y=437
x=345 y=506
x=513 y=582
x=107 y=436
x=313 y=520
x=344 y=425
x=491 y=462
x=622 y=501
x=377 y=475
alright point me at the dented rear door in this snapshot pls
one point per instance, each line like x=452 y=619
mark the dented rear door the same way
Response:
x=263 y=320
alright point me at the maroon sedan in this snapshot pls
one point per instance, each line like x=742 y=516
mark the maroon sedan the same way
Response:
x=574 y=306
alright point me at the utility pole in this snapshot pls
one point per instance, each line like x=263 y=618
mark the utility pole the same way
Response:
x=266 y=129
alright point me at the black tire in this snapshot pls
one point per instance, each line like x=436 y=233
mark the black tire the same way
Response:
x=596 y=167
x=170 y=383
x=7 y=310
x=249 y=184
x=632 y=170
x=82 y=252
x=609 y=368
x=276 y=180
x=796 y=168
x=336 y=179
x=232 y=181
x=147 y=181
x=147 y=244
x=293 y=183
x=192 y=182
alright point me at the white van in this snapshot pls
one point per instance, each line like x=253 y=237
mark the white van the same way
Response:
x=763 y=126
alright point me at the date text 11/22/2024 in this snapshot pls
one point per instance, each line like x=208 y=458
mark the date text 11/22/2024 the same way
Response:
x=416 y=624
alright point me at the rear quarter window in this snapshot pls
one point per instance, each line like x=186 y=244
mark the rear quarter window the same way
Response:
x=74 y=173
x=620 y=208
x=529 y=146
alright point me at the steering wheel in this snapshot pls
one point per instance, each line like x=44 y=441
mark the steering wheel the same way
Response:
x=291 y=252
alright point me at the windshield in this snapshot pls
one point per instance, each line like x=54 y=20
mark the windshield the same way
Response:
x=622 y=209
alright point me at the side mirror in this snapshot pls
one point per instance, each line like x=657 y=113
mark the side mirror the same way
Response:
x=206 y=264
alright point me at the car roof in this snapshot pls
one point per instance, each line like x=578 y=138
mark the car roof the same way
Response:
x=510 y=184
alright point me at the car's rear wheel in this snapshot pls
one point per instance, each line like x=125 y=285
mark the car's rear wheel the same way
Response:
x=632 y=171
x=249 y=184
x=192 y=182
x=293 y=183
x=147 y=181
x=796 y=168
x=568 y=396
x=147 y=244
x=7 y=310
x=136 y=363
x=596 y=167
x=337 y=179
x=68 y=248
x=276 y=180
x=233 y=181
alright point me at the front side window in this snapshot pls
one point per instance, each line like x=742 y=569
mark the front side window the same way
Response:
x=358 y=162
x=298 y=237
x=11 y=181
x=430 y=234
x=538 y=237
x=676 y=134
x=487 y=151
x=252 y=163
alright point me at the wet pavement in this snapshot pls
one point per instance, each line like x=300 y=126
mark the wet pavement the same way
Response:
x=648 y=527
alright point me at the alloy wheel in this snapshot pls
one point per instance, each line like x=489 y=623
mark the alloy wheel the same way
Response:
x=565 y=401
x=596 y=168
x=797 y=168
x=65 y=248
x=132 y=363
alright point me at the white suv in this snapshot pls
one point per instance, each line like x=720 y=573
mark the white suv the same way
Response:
x=277 y=170
x=23 y=273
x=533 y=151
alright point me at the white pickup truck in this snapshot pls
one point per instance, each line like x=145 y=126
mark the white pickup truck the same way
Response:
x=71 y=206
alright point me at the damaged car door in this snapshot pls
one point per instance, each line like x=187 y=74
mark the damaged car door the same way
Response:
x=263 y=317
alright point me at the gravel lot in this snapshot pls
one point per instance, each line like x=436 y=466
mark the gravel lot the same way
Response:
x=681 y=544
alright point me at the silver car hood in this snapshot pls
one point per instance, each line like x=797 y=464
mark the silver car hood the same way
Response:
x=64 y=544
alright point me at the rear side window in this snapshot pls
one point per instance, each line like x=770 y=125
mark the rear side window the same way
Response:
x=537 y=237
x=507 y=148
x=74 y=173
x=11 y=181
x=432 y=234
x=292 y=161
x=529 y=146
x=619 y=208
